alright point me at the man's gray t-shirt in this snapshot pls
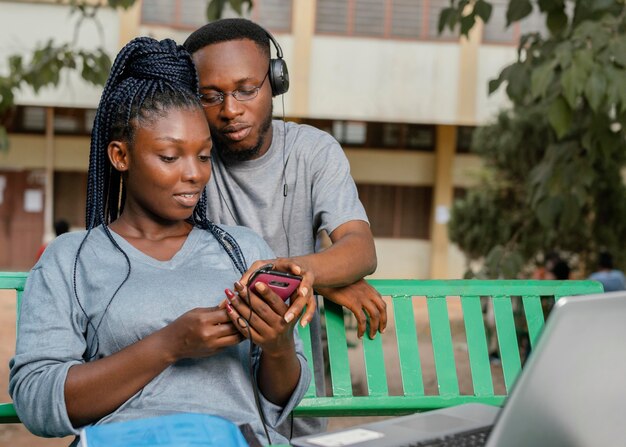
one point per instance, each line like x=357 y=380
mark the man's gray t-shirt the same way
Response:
x=320 y=195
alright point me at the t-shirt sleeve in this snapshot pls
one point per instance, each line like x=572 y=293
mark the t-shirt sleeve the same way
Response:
x=49 y=342
x=335 y=198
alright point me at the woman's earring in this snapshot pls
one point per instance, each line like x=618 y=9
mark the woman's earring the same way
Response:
x=121 y=166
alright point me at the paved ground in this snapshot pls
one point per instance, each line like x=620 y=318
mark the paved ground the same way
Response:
x=17 y=436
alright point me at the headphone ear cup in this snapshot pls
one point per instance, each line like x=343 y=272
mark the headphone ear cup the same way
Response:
x=279 y=76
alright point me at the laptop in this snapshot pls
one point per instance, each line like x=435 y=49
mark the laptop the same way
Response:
x=571 y=392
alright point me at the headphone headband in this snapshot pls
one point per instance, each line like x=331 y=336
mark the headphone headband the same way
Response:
x=278 y=73
x=279 y=50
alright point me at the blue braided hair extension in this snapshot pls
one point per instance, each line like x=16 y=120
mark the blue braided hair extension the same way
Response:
x=147 y=80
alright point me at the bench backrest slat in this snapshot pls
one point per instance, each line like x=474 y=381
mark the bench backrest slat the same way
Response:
x=477 y=347
x=408 y=350
x=375 y=370
x=337 y=350
x=443 y=351
x=534 y=317
x=305 y=333
x=507 y=339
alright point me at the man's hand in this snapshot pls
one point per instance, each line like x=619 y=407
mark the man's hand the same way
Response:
x=362 y=300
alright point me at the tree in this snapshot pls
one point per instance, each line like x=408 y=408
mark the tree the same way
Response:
x=50 y=59
x=554 y=160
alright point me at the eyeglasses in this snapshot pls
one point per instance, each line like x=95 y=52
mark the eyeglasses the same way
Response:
x=243 y=94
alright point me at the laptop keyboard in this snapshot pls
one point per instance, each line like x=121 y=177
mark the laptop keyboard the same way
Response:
x=472 y=438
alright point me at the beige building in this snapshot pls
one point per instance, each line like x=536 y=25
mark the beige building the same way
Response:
x=401 y=99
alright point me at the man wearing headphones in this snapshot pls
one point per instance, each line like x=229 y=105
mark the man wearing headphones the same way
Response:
x=288 y=182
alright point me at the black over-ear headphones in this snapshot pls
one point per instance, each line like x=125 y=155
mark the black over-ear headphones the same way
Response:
x=278 y=74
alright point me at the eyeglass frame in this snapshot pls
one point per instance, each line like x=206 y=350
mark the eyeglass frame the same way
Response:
x=222 y=95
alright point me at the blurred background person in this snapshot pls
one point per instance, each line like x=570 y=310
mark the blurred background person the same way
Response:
x=60 y=226
x=611 y=278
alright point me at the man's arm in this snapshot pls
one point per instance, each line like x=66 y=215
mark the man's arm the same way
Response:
x=342 y=267
x=351 y=256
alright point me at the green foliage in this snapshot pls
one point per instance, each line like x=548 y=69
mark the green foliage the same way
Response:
x=455 y=15
x=215 y=8
x=46 y=65
x=554 y=159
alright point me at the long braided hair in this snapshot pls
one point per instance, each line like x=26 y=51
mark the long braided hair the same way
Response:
x=147 y=80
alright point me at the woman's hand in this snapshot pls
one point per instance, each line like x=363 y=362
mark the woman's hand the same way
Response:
x=260 y=315
x=303 y=296
x=200 y=332
x=95 y=389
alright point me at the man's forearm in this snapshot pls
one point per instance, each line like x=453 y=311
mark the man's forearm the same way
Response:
x=350 y=258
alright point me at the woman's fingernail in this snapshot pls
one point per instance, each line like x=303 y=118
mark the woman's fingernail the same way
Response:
x=238 y=285
x=229 y=308
x=260 y=287
x=229 y=293
x=288 y=317
x=303 y=322
x=304 y=291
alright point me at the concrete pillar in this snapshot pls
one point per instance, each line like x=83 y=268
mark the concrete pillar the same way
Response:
x=48 y=210
x=129 y=23
x=466 y=102
x=303 y=29
x=442 y=195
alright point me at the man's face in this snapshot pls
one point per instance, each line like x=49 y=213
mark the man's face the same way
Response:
x=241 y=130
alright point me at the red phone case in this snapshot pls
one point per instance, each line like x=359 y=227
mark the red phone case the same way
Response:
x=283 y=284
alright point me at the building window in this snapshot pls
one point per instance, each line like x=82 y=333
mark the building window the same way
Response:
x=458 y=193
x=398 y=211
x=67 y=120
x=496 y=31
x=464 y=135
x=33 y=119
x=351 y=133
x=402 y=19
x=401 y=136
x=275 y=15
x=70 y=196
x=368 y=134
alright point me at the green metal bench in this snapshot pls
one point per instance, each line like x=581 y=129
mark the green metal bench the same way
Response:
x=403 y=294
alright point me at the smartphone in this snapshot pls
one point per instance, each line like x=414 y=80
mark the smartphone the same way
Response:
x=282 y=284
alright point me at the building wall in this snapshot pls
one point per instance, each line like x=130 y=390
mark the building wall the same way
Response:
x=71 y=153
x=384 y=80
x=24 y=25
x=440 y=83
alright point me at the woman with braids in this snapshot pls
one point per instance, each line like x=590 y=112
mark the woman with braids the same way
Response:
x=129 y=319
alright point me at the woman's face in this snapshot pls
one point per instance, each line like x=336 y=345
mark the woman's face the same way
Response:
x=167 y=166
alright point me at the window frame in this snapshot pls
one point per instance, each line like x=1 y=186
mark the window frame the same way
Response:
x=424 y=34
x=177 y=25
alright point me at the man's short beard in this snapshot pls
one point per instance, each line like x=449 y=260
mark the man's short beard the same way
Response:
x=229 y=155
